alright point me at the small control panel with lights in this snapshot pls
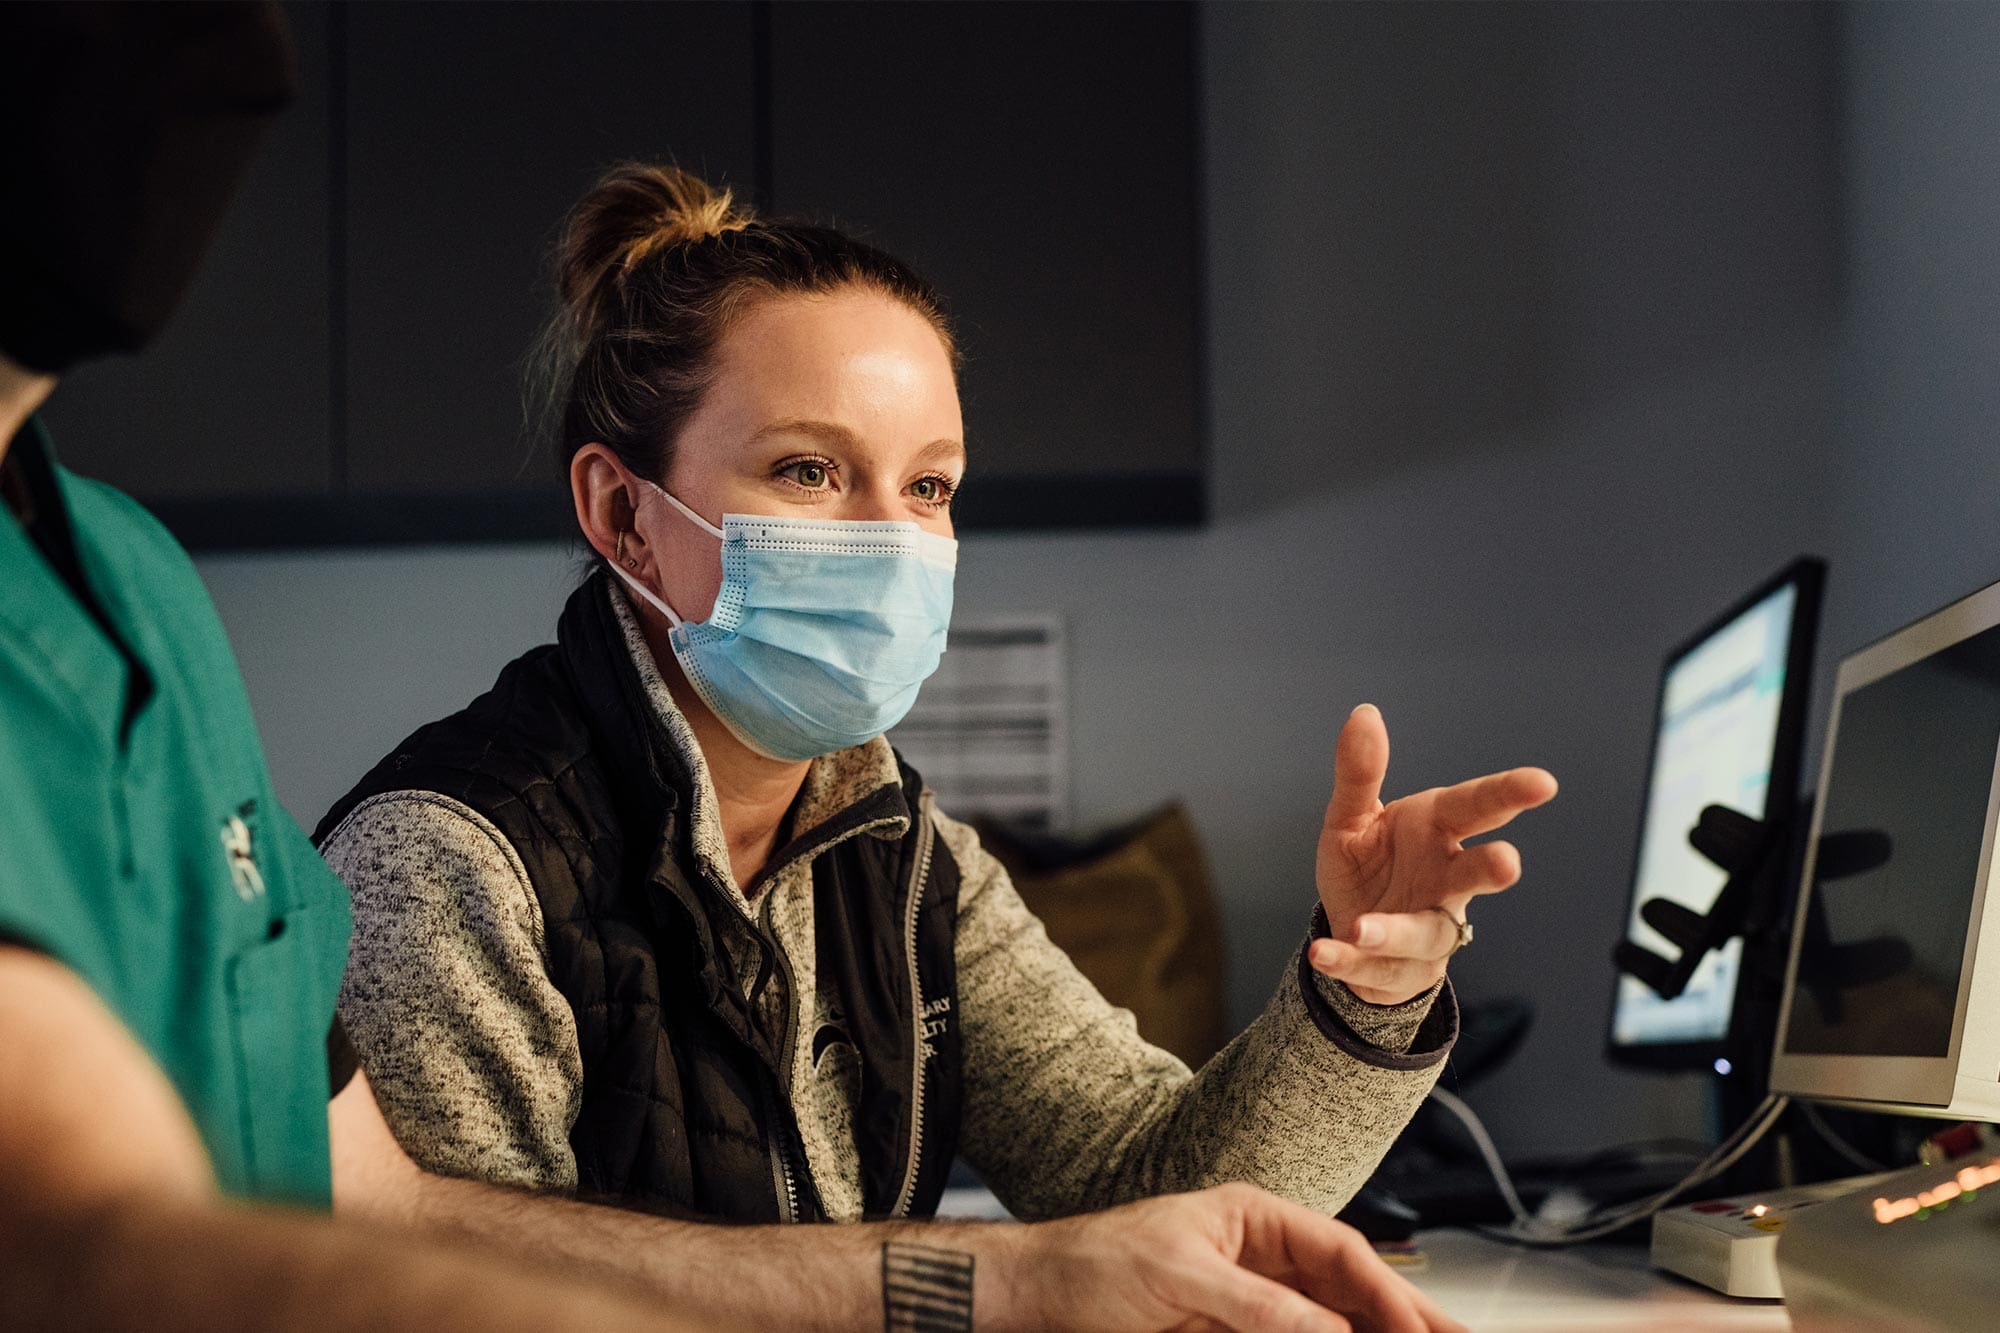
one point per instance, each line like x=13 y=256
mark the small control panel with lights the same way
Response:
x=1960 y=1187
x=1915 y=1251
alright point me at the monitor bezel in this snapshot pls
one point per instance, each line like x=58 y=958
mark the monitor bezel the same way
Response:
x=1917 y=1083
x=1807 y=575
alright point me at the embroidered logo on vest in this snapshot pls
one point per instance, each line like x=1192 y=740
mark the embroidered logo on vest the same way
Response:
x=937 y=1018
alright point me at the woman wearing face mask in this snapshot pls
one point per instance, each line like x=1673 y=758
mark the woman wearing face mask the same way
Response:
x=661 y=918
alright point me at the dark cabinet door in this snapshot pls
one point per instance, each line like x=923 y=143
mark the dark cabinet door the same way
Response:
x=470 y=129
x=349 y=365
x=229 y=411
x=1039 y=163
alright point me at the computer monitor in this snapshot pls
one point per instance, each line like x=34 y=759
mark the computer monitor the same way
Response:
x=1727 y=730
x=1889 y=1002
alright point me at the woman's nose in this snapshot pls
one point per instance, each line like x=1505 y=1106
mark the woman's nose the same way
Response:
x=877 y=503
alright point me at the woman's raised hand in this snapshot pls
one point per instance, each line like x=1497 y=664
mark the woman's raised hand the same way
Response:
x=1381 y=868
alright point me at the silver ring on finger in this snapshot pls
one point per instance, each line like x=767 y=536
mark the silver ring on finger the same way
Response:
x=1459 y=923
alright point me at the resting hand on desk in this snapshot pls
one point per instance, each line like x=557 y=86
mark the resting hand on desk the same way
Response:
x=1228 y=1258
x=1382 y=869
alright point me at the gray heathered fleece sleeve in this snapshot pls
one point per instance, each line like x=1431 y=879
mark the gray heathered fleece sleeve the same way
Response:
x=1068 y=1109
x=470 y=1048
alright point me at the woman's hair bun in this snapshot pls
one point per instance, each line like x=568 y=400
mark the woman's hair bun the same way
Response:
x=636 y=210
x=645 y=293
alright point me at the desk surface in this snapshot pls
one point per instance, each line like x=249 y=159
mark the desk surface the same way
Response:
x=1498 y=1288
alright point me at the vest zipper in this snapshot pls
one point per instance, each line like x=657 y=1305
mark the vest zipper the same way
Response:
x=784 y=1173
x=788 y=1199
x=788 y=1193
x=925 y=833
x=787 y=1039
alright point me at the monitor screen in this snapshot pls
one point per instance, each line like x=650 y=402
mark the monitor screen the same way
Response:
x=1719 y=734
x=1896 y=868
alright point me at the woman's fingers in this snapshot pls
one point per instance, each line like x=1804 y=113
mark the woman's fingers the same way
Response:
x=1486 y=868
x=1384 y=980
x=1484 y=804
x=1433 y=934
x=1427 y=935
x=1360 y=762
x=1405 y=952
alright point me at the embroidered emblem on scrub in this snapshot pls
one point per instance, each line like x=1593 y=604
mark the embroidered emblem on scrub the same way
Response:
x=241 y=851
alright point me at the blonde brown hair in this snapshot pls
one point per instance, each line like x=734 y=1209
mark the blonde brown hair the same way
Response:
x=652 y=267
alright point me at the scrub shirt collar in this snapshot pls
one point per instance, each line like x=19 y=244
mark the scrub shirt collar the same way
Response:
x=49 y=602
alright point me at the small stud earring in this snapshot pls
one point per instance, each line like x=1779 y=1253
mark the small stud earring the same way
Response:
x=631 y=564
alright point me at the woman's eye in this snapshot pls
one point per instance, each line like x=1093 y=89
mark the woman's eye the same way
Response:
x=813 y=476
x=931 y=490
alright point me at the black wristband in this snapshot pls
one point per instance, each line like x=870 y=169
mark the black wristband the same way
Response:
x=925 y=1288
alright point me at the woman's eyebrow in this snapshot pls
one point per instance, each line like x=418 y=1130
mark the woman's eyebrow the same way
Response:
x=827 y=432
x=836 y=436
x=941 y=451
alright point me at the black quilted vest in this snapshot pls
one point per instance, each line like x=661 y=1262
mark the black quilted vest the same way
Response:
x=684 y=1105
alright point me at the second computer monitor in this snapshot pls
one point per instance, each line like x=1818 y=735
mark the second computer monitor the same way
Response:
x=1890 y=1001
x=1727 y=731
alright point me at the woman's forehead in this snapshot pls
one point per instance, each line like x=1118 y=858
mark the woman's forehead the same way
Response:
x=855 y=369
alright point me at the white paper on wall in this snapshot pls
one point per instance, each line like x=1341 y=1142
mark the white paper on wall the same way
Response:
x=990 y=730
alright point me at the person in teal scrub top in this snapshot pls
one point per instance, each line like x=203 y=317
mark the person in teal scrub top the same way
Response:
x=127 y=749
x=177 y=1107
x=170 y=943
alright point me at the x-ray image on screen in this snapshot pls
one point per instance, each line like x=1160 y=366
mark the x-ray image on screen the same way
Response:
x=1717 y=733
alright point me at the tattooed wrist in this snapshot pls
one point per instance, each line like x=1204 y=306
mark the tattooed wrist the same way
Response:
x=925 y=1288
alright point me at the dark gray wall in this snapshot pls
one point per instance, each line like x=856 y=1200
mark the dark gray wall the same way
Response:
x=1497 y=420
x=1524 y=349
x=1920 y=360
x=254 y=334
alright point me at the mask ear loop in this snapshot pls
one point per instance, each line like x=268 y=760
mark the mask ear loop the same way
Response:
x=687 y=513
x=673 y=617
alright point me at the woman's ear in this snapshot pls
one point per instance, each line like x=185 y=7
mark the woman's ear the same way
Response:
x=598 y=485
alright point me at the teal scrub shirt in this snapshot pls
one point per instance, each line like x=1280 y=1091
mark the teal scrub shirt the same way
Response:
x=140 y=843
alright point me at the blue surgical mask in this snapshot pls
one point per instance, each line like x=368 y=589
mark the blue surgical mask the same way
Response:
x=822 y=631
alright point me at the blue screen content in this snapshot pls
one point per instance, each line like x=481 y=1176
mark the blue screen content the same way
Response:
x=1718 y=729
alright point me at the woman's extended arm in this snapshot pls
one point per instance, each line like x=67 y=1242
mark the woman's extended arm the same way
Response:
x=1068 y=1108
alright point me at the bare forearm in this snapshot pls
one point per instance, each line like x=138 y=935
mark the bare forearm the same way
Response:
x=171 y=1264
x=796 y=1277
x=1227 y=1258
